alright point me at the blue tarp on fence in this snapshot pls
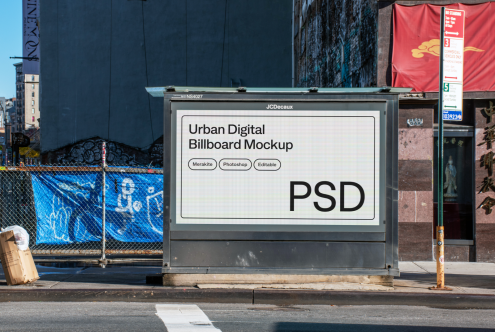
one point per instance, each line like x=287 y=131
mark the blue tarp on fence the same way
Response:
x=69 y=207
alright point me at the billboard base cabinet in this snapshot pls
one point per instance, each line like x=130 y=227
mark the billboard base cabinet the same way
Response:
x=279 y=183
x=268 y=278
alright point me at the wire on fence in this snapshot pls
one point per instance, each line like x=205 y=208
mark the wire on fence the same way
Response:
x=61 y=207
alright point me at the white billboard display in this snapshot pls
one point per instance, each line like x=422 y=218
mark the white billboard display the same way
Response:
x=273 y=167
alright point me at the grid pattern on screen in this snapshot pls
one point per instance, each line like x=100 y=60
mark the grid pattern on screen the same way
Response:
x=324 y=147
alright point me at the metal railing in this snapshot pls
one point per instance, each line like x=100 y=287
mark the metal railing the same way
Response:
x=85 y=210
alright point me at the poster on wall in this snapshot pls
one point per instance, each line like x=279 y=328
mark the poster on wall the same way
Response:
x=30 y=37
x=273 y=167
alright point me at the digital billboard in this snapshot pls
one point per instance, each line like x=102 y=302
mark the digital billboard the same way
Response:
x=277 y=166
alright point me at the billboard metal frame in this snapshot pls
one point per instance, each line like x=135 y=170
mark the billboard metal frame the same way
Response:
x=207 y=249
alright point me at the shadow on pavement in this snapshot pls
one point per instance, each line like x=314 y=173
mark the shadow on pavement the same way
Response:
x=317 y=327
x=69 y=275
x=451 y=280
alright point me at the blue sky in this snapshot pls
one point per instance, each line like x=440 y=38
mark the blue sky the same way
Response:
x=10 y=44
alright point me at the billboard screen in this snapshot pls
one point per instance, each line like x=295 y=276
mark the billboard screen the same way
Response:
x=277 y=166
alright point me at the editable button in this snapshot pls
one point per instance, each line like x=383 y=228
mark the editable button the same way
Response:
x=200 y=164
x=235 y=164
x=267 y=164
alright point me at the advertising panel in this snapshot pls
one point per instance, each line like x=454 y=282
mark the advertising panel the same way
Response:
x=278 y=166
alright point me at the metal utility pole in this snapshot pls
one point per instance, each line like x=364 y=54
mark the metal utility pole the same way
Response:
x=450 y=102
x=440 y=229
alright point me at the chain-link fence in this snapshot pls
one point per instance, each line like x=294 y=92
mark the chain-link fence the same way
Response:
x=67 y=211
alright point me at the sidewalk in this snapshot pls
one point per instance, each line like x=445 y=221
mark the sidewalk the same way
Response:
x=463 y=278
x=471 y=282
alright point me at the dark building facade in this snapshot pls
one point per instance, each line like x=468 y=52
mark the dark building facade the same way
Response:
x=350 y=43
x=98 y=57
x=335 y=43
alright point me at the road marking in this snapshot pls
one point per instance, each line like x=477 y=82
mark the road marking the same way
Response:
x=184 y=318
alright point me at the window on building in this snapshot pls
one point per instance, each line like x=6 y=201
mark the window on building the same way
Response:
x=33 y=94
x=32 y=110
x=32 y=86
x=33 y=119
x=32 y=78
x=32 y=102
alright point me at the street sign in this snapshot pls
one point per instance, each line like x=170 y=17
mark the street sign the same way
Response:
x=450 y=103
x=453 y=64
x=20 y=140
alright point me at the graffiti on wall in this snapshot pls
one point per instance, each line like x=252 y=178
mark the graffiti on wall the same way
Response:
x=156 y=153
x=336 y=44
x=88 y=152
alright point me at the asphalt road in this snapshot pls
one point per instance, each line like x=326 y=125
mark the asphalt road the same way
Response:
x=50 y=316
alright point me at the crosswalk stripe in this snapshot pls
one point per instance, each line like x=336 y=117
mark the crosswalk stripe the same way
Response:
x=184 y=318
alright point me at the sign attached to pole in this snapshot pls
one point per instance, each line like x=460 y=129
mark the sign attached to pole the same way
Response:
x=20 y=140
x=30 y=37
x=452 y=64
x=450 y=103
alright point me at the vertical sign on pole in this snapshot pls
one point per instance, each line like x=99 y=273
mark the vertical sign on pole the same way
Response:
x=30 y=37
x=450 y=108
x=103 y=202
x=452 y=64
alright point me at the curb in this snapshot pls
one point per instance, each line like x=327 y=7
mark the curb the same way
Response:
x=446 y=301
x=128 y=295
x=257 y=296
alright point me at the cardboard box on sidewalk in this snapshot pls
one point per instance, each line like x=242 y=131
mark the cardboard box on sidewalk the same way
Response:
x=18 y=265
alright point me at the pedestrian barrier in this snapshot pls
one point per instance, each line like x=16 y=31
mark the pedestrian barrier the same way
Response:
x=85 y=210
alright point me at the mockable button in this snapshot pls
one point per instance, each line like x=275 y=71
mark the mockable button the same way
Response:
x=235 y=164
x=199 y=164
x=267 y=164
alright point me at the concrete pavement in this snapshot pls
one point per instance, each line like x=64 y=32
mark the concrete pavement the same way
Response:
x=475 y=281
x=463 y=278
x=87 y=277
